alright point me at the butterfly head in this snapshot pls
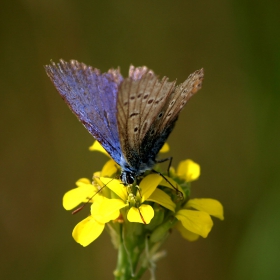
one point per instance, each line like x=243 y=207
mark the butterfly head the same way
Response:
x=127 y=177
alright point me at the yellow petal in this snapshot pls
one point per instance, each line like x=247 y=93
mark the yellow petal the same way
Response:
x=99 y=185
x=172 y=170
x=87 y=231
x=165 y=148
x=195 y=221
x=163 y=199
x=143 y=214
x=190 y=236
x=211 y=206
x=82 y=181
x=188 y=170
x=97 y=182
x=96 y=174
x=74 y=197
x=174 y=186
x=104 y=209
x=116 y=186
x=148 y=185
x=109 y=169
x=96 y=146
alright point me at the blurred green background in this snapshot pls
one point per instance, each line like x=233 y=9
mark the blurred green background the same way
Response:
x=231 y=127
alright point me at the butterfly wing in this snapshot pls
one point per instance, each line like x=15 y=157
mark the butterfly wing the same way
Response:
x=92 y=97
x=140 y=100
x=162 y=127
x=147 y=111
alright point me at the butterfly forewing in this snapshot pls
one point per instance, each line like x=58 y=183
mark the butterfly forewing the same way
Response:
x=161 y=127
x=140 y=101
x=179 y=98
x=92 y=97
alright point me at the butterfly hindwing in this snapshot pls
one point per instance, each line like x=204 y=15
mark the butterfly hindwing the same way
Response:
x=92 y=97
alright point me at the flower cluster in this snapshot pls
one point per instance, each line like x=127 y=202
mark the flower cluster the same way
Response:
x=140 y=217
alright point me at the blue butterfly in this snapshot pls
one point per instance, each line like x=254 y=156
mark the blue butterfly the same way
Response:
x=131 y=117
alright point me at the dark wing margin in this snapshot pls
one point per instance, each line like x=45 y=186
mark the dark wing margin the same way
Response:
x=92 y=97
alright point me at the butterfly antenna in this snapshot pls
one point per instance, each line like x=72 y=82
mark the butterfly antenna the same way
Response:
x=80 y=208
x=86 y=203
x=89 y=199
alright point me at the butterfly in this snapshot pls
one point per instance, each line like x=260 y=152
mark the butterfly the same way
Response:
x=130 y=117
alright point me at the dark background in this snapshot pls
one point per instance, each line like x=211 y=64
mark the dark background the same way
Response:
x=231 y=127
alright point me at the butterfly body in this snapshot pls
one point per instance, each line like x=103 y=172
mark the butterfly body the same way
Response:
x=131 y=117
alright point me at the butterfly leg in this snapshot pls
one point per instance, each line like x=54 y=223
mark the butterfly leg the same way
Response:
x=179 y=193
x=169 y=164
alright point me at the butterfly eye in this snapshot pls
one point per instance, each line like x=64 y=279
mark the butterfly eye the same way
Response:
x=130 y=178
x=127 y=178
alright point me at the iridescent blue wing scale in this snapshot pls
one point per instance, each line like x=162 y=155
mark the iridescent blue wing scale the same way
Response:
x=92 y=97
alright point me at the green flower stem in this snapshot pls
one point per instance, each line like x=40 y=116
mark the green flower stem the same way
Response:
x=126 y=267
x=123 y=270
x=127 y=260
x=129 y=252
x=139 y=274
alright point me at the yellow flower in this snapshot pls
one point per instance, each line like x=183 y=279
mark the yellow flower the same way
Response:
x=112 y=201
x=138 y=212
x=188 y=170
x=195 y=223
x=104 y=210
